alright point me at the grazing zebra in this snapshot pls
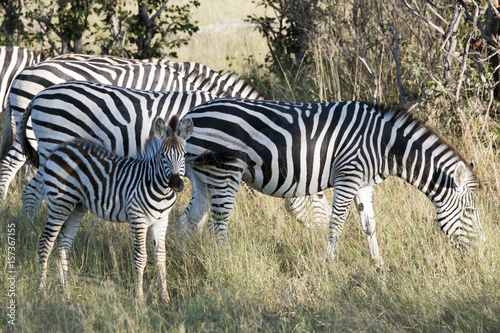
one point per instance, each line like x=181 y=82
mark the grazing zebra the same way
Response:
x=156 y=75
x=82 y=175
x=289 y=149
x=119 y=119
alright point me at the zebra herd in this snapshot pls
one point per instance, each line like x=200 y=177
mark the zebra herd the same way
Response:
x=221 y=132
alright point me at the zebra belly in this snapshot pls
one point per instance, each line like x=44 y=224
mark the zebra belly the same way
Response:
x=288 y=187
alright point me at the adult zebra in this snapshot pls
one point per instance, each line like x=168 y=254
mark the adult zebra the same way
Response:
x=290 y=149
x=82 y=176
x=155 y=75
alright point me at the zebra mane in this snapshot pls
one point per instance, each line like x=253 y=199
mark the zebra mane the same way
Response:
x=154 y=144
x=396 y=114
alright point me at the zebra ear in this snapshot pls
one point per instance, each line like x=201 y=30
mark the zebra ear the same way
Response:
x=460 y=174
x=186 y=128
x=160 y=128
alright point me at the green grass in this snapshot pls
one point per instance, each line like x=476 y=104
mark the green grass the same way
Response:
x=273 y=278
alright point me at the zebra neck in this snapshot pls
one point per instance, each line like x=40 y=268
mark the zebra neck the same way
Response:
x=417 y=155
x=155 y=173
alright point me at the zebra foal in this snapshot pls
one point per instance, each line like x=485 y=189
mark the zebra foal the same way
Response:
x=82 y=175
x=292 y=149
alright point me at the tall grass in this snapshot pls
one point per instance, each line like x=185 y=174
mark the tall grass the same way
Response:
x=274 y=277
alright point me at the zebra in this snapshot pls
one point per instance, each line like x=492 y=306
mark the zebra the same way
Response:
x=287 y=149
x=115 y=118
x=119 y=119
x=12 y=61
x=189 y=76
x=156 y=75
x=81 y=175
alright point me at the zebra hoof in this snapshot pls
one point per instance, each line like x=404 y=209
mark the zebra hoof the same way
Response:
x=165 y=298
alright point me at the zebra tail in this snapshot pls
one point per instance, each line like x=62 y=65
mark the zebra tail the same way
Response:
x=7 y=138
x=28 y=150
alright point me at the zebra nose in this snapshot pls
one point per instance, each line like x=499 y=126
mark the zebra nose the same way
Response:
x=176 y=183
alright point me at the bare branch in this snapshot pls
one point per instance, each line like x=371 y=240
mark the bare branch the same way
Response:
x=483 y=33
x=425 y=19
x=464 y=64
x=375 y=89
x=431 y=8
x=438 y=82
x=455 y=21
x=159 y=11
x=494 y=4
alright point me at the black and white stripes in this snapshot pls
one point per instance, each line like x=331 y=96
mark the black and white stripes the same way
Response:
x=290 y=149
x=81 y=176
x=119 y=119
x=153 y=75
x=12 y=61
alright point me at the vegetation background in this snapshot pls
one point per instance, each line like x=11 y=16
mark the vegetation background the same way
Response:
x=439 y=59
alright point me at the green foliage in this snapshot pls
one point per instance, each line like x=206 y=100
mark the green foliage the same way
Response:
x=66 y=19
x=150 y=30
x=12 y=30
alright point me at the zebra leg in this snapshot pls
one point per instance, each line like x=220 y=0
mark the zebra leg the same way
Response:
x=64 y=241
x=364 y=204
x=9 y=166
x=342 y=198
x=158 y=232
x=32 y=196
x=46 y=243
x=222 y=197
x=195 y=215
x=139 y=229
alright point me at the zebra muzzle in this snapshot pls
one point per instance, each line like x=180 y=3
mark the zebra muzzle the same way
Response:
x=176 y=183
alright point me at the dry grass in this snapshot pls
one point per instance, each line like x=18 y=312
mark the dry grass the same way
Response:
x=225 y=41
x=275 y=277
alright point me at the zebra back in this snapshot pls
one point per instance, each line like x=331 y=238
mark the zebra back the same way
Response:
x=117 y=118
x=155 y=75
